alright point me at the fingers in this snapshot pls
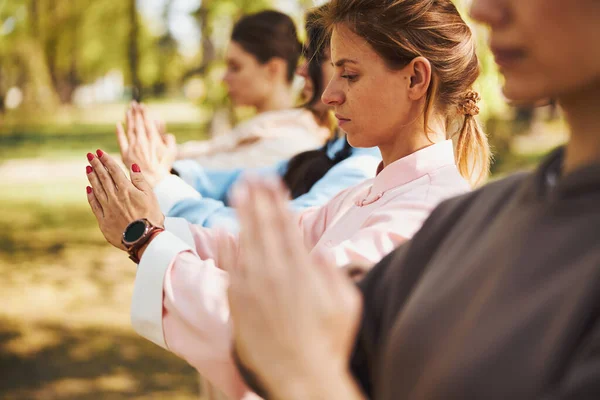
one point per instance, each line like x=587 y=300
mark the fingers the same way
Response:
x=264 y=224
x=150 y=126
x=269 y=237
x=94 y=203
x=114 y=170
x=241 y=200
x=122 y=139
x=170 y=141
x=139 y=126
x=138 y=180
x=130 y=125
x=227 y=252
x=94 y=179
x=161 y=126
x=291 y=242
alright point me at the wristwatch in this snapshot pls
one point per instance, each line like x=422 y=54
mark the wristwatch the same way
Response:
x=136 y=235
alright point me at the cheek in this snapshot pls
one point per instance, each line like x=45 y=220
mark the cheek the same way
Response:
x=371 y=114
x=559 y=56
x=379 y=108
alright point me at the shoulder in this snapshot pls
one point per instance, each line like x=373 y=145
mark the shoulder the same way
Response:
x=480 y=203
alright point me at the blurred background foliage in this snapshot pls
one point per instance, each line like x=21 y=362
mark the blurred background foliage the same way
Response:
x=68 y=69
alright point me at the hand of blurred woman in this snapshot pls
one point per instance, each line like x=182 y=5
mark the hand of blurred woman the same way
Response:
x=142 y=143
x=115 y=200
x=294 y=319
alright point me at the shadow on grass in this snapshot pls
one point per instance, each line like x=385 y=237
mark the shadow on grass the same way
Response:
x=91 y=363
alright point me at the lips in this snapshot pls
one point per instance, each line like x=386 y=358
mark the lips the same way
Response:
x=342 y=120
x=507 y=57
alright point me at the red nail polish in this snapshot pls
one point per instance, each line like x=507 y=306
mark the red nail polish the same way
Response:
x=88 y=190
x=100 y=153
x=136 y=168
x=90 y=156
x=88 y=169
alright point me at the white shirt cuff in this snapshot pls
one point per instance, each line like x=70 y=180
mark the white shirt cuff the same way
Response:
x=171 y=190
x=180 y=227
x=147 y=301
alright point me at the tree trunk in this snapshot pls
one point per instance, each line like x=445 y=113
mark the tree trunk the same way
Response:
x=133 y=52
x=34 y=18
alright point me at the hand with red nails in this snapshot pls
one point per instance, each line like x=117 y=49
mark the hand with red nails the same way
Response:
x=293 y=316
x=117 y=201
x=141 y=142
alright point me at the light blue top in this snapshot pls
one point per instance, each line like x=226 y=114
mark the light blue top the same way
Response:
x=200 y=195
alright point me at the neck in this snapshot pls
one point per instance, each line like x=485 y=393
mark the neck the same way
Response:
x=411 y=139
x=280 y=98
x=583 y=116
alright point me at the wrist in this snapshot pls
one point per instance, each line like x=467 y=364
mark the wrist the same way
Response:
x=142 y=249
x=154 y=177
x=321 y=381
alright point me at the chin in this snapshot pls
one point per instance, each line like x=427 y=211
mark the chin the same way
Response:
x=526 y=92
x=357 y=140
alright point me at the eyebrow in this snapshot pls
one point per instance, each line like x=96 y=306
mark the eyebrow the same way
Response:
x=343 y=61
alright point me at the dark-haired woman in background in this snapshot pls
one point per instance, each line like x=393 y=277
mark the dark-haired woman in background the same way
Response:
x=261 y=59
x=200 y=195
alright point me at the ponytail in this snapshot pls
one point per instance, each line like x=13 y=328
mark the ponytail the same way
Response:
x=473 y=152
x=472 y=148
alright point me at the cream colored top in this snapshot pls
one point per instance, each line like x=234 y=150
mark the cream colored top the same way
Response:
x=259 y=142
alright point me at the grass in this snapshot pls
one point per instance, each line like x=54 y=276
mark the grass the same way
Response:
x=68 y=141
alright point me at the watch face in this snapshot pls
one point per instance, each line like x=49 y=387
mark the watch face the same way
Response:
x=134 y=231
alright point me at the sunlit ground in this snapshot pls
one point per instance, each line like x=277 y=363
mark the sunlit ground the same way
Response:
x=65 y=294
x=64 y=324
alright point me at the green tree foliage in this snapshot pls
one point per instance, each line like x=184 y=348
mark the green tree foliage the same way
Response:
x=50 y=47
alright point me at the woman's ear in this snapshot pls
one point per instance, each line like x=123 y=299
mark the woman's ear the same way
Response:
x=419 y=70
x=277 y=68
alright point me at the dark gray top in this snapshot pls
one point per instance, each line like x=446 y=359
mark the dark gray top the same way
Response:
x=496 y=297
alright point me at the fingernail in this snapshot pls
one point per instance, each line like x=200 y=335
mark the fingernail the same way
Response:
x=88 y=169
x=100 y=153
x=88 y=190
x=90 y=156
x=136 y=168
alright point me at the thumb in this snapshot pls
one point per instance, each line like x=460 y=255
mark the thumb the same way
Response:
x=170 y=141
x=138 y=179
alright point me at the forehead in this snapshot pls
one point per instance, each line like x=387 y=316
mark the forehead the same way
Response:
x=235 y=52
x=346 y=44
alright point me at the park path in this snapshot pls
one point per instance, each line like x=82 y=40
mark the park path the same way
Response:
x=39 y=170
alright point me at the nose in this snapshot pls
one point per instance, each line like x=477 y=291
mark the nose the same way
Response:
x=302 y=69
x=333 y=95
x=490 y=12
x=225 y=78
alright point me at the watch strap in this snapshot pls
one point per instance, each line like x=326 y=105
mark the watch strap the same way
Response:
x=133 y=251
